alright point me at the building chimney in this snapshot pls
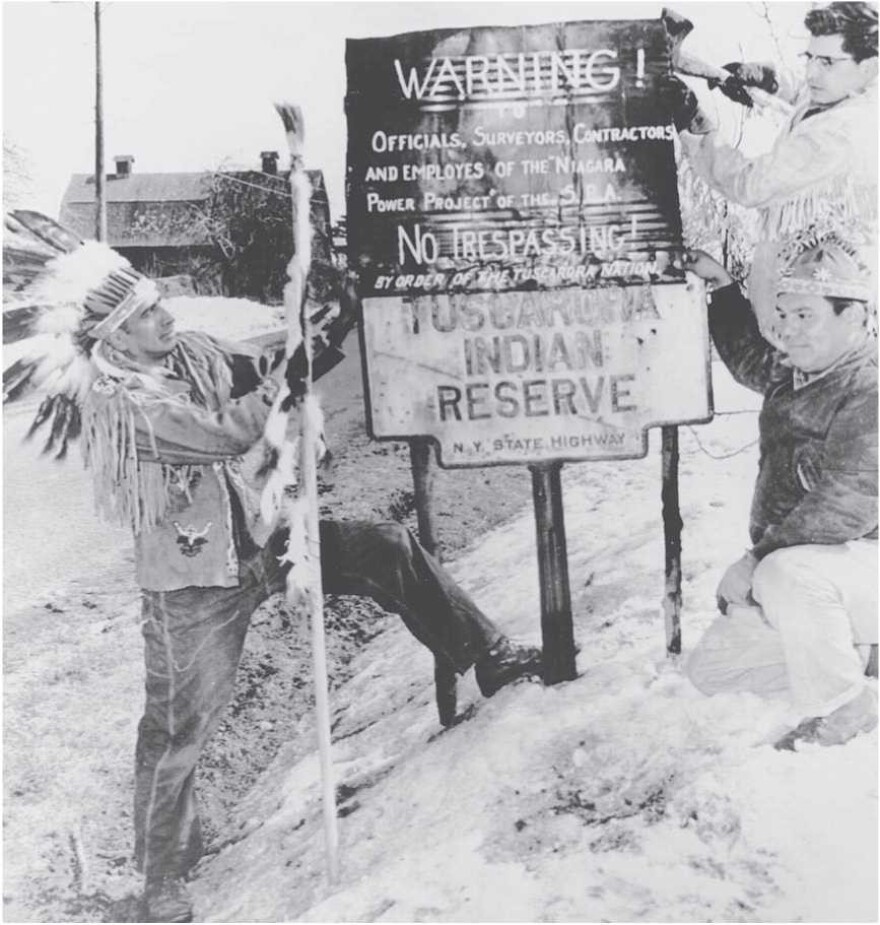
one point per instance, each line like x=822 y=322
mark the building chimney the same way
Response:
x=123 y=165
x=270 y=161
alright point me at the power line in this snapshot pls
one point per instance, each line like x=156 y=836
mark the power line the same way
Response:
x=265 y=189
x=711 y=455
x=231 y=176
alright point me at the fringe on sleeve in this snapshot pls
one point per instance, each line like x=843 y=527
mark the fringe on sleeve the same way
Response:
x=127 y=491
x=838 y=204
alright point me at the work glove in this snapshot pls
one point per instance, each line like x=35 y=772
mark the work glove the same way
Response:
x=735 y=587
x=745 y=74
x=679 y=99
x=754 y=74
x=330 y=325
x=684 y=108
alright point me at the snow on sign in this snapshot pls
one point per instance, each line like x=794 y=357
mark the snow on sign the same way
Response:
x=513 y=219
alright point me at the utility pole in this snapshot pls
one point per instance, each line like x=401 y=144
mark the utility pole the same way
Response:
x=100 y=199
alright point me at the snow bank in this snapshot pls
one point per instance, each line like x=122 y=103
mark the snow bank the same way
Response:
x=623 y=795
x=233 y=319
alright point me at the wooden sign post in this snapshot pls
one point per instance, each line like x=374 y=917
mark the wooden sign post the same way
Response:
x=557 y=631
x=423 y=480
x=671 y=539
x=513 y=221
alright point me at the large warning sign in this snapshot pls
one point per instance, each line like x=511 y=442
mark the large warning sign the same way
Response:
x=513 y=218
x=494 y=159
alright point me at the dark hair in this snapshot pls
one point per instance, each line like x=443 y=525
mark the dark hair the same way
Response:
x=855 y=20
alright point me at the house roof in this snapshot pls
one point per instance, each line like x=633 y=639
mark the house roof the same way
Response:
x=140 y=187
x=143 y=210
x=151 y=209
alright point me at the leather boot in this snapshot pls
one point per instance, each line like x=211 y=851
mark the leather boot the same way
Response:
x=857 y=716
x=504 y=663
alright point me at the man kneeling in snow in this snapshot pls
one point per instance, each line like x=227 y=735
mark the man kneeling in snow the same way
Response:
x=167 y=423
x=800 y=608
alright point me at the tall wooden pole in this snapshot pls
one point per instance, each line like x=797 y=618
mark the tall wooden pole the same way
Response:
x=100 y=198
x=423 y=485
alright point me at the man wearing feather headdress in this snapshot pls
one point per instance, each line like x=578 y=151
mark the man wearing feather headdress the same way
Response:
x=821 y=174
x=169 y=424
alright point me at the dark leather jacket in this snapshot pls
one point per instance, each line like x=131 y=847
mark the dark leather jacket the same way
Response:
x=817 y=478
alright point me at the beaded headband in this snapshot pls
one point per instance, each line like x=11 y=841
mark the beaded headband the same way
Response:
x=119 y=295
x=829 y=268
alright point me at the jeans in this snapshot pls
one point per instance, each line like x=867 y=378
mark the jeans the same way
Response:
x=193 y=642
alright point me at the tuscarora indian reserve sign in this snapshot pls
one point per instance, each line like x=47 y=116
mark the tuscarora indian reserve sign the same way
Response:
x=513 y=218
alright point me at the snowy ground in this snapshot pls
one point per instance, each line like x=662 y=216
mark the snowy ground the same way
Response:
x=621 y=796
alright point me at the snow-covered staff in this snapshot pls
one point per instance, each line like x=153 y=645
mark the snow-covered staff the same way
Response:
x=294 y=431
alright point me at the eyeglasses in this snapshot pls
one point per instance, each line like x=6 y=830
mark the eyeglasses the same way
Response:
x=824 y=61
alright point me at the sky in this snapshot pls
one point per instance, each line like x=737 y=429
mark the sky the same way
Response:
x=189 y=86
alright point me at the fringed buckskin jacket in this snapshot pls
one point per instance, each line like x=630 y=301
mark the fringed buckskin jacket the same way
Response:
x=169 y=457
x=821 y=173
x=817 y=474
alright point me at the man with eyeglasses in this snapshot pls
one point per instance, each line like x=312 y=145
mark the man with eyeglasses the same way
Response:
x=821 y=174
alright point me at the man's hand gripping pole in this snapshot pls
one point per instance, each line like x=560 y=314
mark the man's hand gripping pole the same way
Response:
x=299 y=332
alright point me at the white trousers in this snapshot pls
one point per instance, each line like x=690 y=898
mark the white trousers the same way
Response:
x=807 y=639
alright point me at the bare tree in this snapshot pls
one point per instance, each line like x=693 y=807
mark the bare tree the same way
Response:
x=764 y=13
x=17 y=180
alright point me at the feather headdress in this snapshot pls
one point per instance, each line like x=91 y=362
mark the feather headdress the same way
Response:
x=82 y=292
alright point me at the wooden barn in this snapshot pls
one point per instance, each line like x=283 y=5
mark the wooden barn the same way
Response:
x=228 y=231
x=152 y=218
